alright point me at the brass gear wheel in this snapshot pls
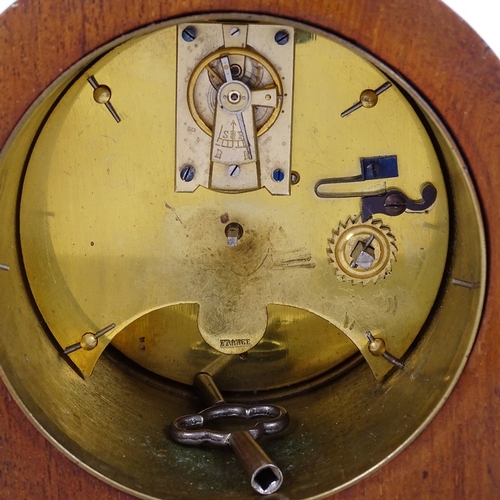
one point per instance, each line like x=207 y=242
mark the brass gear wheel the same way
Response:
x=362 y=252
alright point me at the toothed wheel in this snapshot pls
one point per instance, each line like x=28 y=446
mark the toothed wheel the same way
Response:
x=362 y=252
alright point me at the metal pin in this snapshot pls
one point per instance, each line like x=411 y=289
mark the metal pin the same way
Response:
x=102 y=95
x=368 y=259
x=213 y=74
x=217 y=365
x=233 y=233
x=465 y=284
x=89 y=340
x=367 y=99
x=4 y=267
x=377 y=348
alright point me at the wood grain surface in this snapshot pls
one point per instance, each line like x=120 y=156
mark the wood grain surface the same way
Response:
x=458 y=455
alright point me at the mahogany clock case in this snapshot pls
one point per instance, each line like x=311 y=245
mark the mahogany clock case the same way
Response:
x=434 y=50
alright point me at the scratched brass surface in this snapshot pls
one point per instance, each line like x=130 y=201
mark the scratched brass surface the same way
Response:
x=97 y=246
x=106 y=239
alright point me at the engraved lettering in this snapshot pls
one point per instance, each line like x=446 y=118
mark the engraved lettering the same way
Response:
x=234 y=342
x=230 y=139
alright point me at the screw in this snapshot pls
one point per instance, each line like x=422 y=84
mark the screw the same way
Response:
x=294 y=177
x=278 y=175
x=233 y=170
x=235 y=31
x=282 y=37
x=395 y=204
x=187 y=173
x=189 y=34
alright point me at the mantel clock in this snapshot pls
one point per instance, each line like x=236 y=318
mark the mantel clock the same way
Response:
x=242 y=252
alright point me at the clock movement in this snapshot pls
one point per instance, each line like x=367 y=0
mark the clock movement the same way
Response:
x=243 y=254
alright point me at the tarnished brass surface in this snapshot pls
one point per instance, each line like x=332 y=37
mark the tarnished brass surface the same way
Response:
x=281 y=359
x=105 y=239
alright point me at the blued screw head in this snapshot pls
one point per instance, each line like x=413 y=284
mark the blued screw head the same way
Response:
x=278 y=175
x=187 y=173
x=189 y=34
x=282 y=37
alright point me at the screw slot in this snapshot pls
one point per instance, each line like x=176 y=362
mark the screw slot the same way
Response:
x=282 y=37
x=278 y=175
x=189 y=34
x=187 y=173
x=395 y=204
x=233 y=170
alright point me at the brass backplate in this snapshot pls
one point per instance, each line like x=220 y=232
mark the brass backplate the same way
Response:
x=118 y=241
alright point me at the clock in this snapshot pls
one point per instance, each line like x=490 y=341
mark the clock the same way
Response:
x=205 y=201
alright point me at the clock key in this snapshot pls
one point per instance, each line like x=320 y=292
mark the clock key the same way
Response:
x=265 y=476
